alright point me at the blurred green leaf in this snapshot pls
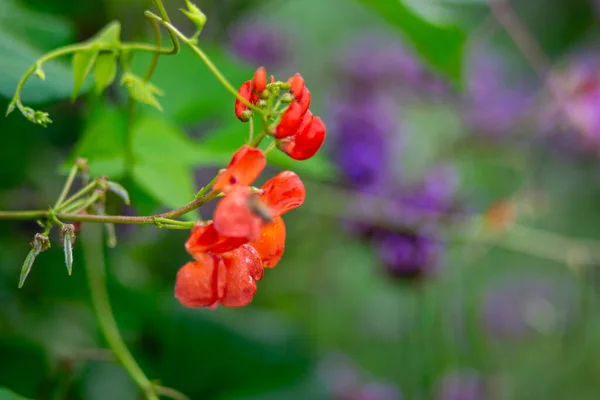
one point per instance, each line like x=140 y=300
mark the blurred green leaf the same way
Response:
x=42 y=30
x=83 y=62
x=6 y=394
x=103 y=142
x=110 y=34
x=141 y=90
x=442 y=46
x=105 y=71
x=155 y=139
x=191 y=91
x=171 y=184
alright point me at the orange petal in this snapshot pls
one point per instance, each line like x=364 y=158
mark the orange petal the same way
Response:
x=240 y=107
x=259 y=81
x=245 y=166
x=201 y=283
x=233 y=216
x=271 y=244
x=243 y=266
x=205 y=238
x=283 y=192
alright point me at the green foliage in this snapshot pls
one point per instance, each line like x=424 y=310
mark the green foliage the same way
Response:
x=24 y=36
x=191 y=92
x=6 y=394
x=109 y=35
x=105 y=71
x=442 y=46
x=103 y=142
x=83 y=61
x=142 y=90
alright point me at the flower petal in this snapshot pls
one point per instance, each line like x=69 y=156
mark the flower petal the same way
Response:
x=284 y=192
x=205 y=238
x=233 y=216
x=201 y=283
x=271 y=244
x=244 y=267
x=245 y=166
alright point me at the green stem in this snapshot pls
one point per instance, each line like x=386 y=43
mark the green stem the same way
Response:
x=206 y=188
x=207 y=61
x=258 y=139
x=74 y=48
x=173 y=223
x=114 y=219
x=82 y=192
x=250 y=129
x=67 y=186
x=96 y=274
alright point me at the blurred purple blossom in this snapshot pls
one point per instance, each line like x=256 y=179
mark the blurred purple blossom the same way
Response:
x=345 y=381
x=515 y=309
x=375 y=62
x=363 y=129
x=492 y=106
x=461 y=385
x=408 y=255
x=572 y=120
x=259 y=42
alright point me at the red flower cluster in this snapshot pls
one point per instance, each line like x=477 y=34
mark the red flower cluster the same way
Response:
x=298 y=132
x=246 y=235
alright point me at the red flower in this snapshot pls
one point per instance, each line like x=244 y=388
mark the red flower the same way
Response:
x=201 y=283
x=244 y=268
x=245 y=166
x=242 y=112
x=234 y=217
x=291 y=119
x=259 y=82
x=296 y=83
x=282 y=193
x=271 y=244
x=307 y=141
x=228 y=279
x=205 y=238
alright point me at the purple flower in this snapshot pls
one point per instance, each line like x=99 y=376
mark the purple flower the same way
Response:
x=363 y=130
x=461 y=385
x=515 y=309
x=493 y=107
x=375 y=62
x=408 y=255
x=259 y=43
x=377 y=391
x=571 y=117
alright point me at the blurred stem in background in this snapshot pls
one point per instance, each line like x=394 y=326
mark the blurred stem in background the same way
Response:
x=96 y=273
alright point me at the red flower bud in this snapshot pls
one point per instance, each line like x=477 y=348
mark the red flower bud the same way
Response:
x=307 y=142
x=284 y=192
x=296 y=83
x=291 y=119
x=241 y=110
x=201 y=283
x=271 y=244
x=245 y=166
x=259 y=82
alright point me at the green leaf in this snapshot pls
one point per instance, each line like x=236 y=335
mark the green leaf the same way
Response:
x=193 y=92
x=110 y=34
x=83 y=62
x=105 y=71
x=16 y=55
x=156 y=138
x=441 y=46
x=103 y=142
x=171 y=184
x=6 y=394
x=141 y=90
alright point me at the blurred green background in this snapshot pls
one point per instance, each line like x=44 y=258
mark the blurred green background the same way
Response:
x=330 y=322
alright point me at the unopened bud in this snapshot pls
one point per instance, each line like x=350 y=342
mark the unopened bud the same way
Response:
x=287 y=98
x=39 y=243
x=68 y=240
x=195 y=15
